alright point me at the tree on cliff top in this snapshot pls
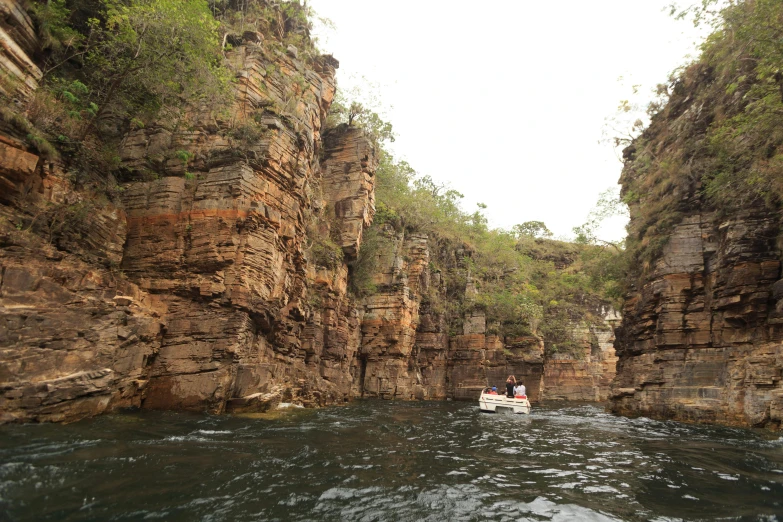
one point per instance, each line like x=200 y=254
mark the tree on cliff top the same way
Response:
x=361 y=106
x=532 y=229
x=137 y=56
x=154 y=54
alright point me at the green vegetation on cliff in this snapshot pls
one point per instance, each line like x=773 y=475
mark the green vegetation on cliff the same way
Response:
x=524 y=282
x=109 y=62
x=746 y=53
x=110 y=66
x=114 y=66
x=716 y=137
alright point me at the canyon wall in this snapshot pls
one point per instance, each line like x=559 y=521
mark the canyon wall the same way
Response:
x=196 y=286
x=588 y=374
x=210 y=270
x=702 y=339
x=702 y=331
x=407 y=351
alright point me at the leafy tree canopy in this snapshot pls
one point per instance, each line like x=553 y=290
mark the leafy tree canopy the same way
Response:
x=532 y=229
x=136 y=57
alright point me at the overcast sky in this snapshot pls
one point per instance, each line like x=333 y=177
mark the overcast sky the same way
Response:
x=506 y=101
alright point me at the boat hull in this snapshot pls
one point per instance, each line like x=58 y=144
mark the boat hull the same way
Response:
x=490 y=403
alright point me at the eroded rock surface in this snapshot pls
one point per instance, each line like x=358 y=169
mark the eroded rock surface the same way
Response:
x=198 y=288
x=702 y=340
x=407 y=351
x=701 y=336
x=587 y=375
x=205 y=279
x=68 y=347
x=18 y=41
x=227 y=250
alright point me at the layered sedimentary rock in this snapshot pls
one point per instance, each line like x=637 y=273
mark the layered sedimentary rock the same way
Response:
x=407 y=350
x=702 y=335
x=212 y=274
x=196 y=290
x=478 y=360
x=390 y=321
x=76 y=338
x=588 y=374
x=703 y=338
x=228 y=248
x=19 y=75
x=348 y=184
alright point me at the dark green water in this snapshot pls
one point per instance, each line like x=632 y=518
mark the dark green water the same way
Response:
x=375 y=460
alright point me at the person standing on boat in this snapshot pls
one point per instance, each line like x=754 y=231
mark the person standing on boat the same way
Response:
x=519 y=390
x=510 y=383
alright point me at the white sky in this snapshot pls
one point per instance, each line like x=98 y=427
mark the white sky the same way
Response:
x=506 y=100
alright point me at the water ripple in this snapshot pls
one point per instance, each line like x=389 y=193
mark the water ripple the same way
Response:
x=375 y=460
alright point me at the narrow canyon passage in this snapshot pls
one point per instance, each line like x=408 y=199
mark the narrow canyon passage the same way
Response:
x=225 y=293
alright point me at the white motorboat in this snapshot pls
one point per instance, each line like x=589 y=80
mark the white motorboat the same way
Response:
x=494 y=403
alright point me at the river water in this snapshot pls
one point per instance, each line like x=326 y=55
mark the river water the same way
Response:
x=380 y=460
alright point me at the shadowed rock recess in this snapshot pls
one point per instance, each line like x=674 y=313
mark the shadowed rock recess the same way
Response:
x=220 y=282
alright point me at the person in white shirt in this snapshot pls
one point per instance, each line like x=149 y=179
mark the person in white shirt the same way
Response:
x=519 y=389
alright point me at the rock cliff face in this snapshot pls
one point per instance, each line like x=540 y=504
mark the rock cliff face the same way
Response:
x=195 y=290
x=588 y=375
x=214 y=276
x=408 y=352
x=18 y=40
x=227 y=250
x=701 y=337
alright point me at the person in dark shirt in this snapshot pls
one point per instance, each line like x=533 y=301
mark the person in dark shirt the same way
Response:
x=510 y=383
